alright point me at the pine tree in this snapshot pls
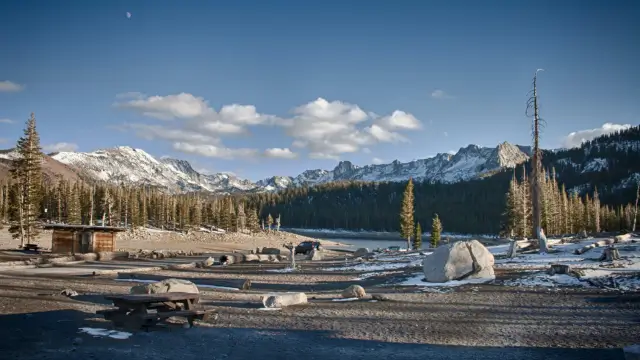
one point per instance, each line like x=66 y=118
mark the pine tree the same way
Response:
x=406 y=214
x=596 y=211
x=417 y=240
x=269 y=221
x=511 y=209
x=253 y=223
x=107 y=207
x=436 y=231
x=74 y=216
x=27 y=173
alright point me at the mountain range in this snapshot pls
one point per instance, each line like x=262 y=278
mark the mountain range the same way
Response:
x=125 y=164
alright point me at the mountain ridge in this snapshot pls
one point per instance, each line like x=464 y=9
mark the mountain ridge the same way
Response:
x=126 y=164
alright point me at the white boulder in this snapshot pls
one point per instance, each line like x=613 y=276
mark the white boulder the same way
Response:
x=281 y=300
x=166 y=286
x=457 y=261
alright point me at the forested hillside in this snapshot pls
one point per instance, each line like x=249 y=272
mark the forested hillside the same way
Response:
x=610 y=163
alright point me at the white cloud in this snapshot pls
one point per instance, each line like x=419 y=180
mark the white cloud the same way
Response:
x=440 y=95
x=6 y=121
x=215 y=151
x=325 y=129
x=58 y=147
x=576 y=138
x=169 y=107
x=8 y=86
x=377 y=161
x=366 y=150
x=329 y=129
x=280 y=153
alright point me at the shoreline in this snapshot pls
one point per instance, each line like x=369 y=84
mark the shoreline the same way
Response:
x=373 y=235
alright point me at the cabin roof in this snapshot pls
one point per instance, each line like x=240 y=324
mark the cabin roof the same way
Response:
x=83 y=228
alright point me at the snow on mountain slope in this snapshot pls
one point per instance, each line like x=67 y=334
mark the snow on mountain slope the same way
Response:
x=126 y=164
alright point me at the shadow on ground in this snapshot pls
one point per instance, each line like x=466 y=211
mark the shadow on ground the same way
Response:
x=55 y=335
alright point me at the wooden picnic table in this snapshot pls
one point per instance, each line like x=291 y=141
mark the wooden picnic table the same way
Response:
x=146 y=310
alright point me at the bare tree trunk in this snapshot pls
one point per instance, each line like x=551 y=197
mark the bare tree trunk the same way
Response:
x=536 y=190
x=91 y=207
x=635 y=212
x=21 y=216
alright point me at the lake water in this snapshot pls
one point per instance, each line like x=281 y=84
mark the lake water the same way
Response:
x=371 y=243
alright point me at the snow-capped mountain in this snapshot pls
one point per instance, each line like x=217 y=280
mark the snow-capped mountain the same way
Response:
x=129 y=165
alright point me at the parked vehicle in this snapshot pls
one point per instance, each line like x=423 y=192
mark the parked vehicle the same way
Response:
x=305 y=247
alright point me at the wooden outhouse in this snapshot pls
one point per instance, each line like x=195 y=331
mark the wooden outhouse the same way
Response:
x=82 y=239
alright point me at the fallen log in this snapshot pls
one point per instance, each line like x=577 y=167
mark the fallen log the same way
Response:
x=283 y=300
x=240 y=284
x=596 y=244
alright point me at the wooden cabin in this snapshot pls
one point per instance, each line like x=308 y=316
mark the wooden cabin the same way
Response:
x=82 y=239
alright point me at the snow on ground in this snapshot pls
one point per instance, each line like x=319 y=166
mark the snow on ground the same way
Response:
x=198 y=285
x=416 y=280
x=96 y=332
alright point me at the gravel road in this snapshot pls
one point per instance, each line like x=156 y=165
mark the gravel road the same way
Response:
x=54 y=336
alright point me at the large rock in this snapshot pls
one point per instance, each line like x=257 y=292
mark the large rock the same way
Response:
x=361 y=252
x=457 y=261
x=270 y=251
x=166 y=286
x=283 y=300
x=354 y=291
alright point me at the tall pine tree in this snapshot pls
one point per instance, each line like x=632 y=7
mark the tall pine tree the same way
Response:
x=27 y=173
x=436 y=231
x=406 y=214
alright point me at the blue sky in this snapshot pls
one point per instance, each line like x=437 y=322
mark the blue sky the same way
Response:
x=277 y=87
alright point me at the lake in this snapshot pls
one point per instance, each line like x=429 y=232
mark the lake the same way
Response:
x=370 y=243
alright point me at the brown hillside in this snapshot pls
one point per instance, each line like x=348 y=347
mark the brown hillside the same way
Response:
x=50 y=168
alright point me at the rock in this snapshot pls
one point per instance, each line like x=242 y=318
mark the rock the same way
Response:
x=622 y=238
x=379 y=297
x=354 y=291
x=270 y=251
x=361 y=252
x=68 y=292
x=252 y=257
x=582 y=234
x=166 y=286
x=315 y=255
x=457 y=261
x=86 y=257
x=283 y=300
x=559 y=269
x=208 y=262
x=632 y=352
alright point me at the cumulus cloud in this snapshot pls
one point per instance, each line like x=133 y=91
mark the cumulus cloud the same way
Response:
x=280 y=153
x=58 y=147
x=377 y=161
x=329 y=129
x=440 y=95
x=576 y=138
x=8 y=86
x=325 y=129
x=6 y=121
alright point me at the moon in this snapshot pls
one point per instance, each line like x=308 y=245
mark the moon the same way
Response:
x=128 y=15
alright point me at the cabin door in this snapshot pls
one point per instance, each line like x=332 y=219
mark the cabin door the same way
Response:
x=85 y=242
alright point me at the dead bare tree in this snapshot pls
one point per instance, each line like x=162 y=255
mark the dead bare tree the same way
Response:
x=536 y=164
x=635 y=212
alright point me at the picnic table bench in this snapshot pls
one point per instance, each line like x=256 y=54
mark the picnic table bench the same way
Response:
x=146 y=310
x=31 y=247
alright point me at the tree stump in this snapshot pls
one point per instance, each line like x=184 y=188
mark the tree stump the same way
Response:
x=513 y=247
x=559 y=269
x=610 y=254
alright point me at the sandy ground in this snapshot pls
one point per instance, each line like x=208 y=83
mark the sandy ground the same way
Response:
x=469 y=322
x=150 y=239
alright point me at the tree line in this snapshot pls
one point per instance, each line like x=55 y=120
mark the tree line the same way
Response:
x=481 y=206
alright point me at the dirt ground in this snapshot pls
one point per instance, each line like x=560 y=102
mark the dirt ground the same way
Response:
x=468 y=322
x=151 y=239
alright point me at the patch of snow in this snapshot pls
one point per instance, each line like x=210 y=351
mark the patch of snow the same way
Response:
x=345 y=299
x=269 y=309
x=198 y=285
x=416 y=280
x=545 y=280
x=120 y=335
